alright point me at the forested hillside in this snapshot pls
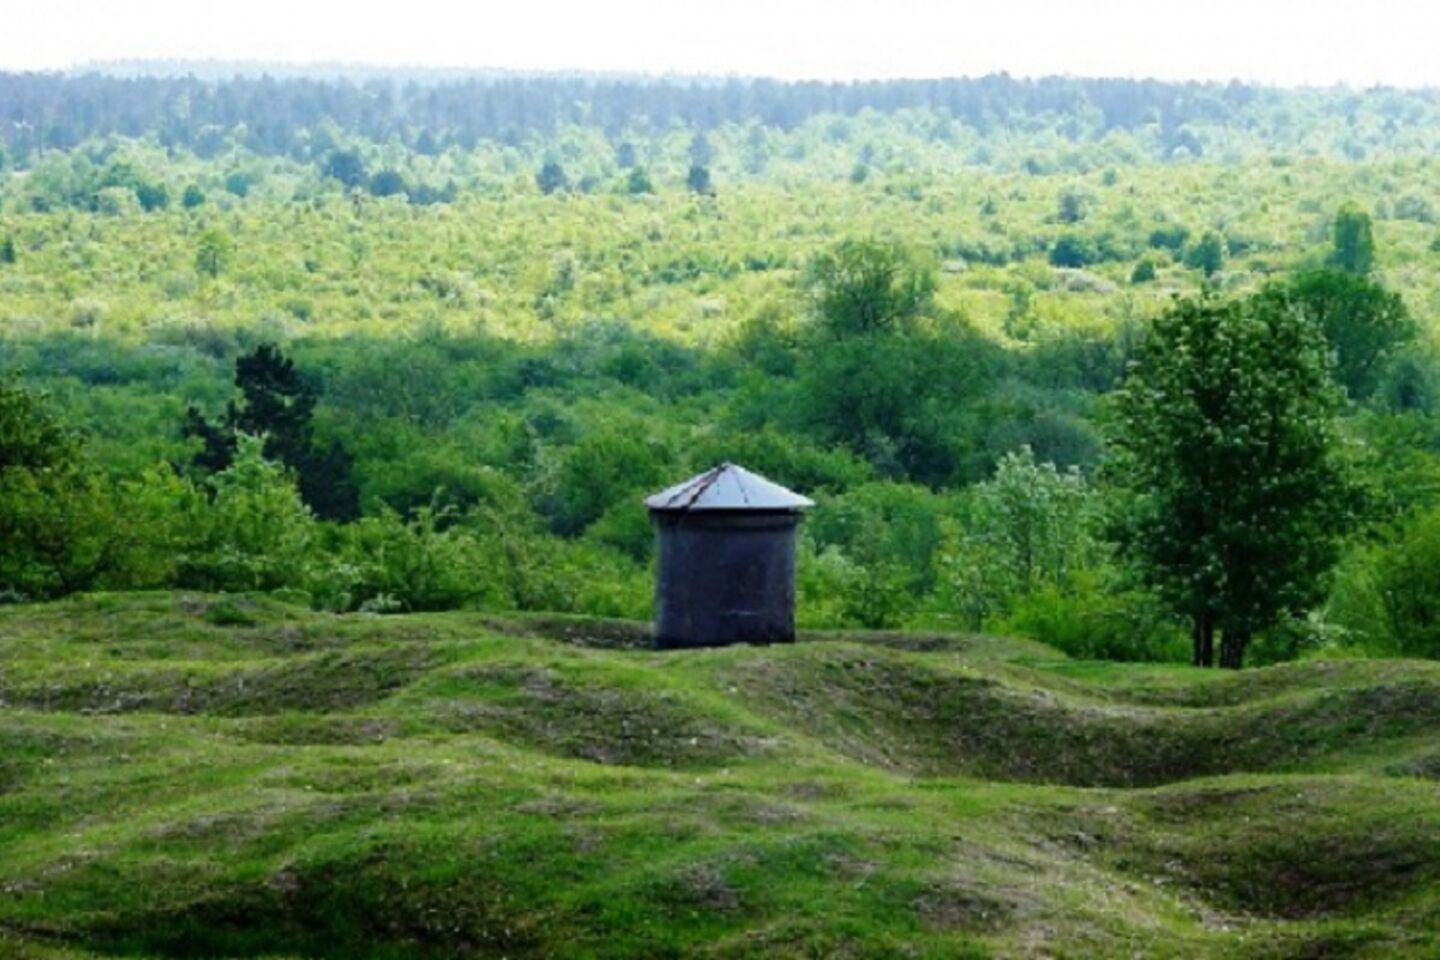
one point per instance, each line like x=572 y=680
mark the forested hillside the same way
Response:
x=421 y=342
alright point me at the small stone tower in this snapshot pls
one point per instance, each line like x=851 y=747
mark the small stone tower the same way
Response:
x=727 y=560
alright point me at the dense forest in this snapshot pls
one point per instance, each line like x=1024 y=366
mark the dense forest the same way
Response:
x=1143 y=370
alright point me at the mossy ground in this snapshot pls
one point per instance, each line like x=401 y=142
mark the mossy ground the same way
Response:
x=190 y=776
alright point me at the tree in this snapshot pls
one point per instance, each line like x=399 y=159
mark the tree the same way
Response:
x=1144 y=271
x=192 y=197
x=1029 y=527
x=152 y=196
x=698 y=180
x=1208 y=254
x=1232 y=491
x=1038 y=518
x=1408 y=581
x=277 y=404
x=1364 y=323
x=638 y=182
x=860 y=287
x=387 y=183
x=7 y=250
x=551 y=178
x=256 y=533
x=1073 y=250
x=1074 y=205
x=347 y=166
x=55 y=531
x=213 y=253
x=237 y=184
x=1353 y=241
x=701 y=153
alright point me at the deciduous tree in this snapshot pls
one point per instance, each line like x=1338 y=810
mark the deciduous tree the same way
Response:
x=1224 y=445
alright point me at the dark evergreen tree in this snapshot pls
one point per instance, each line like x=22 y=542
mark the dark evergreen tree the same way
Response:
x=698 y=180
x=638 y=182
x=277 y=403
x=1208 y=255
x=387 y=183
x=552 y=178
x=347 y=166
x=152 y=196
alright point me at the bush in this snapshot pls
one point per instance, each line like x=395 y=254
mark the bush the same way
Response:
x=1092 y=623
x=1073 y=250
x=1408 y=580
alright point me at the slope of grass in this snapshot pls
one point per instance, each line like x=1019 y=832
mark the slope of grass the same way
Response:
x=191 y=776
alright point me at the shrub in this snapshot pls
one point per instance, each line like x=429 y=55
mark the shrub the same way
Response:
x=1092 y=623
x=1408 y=580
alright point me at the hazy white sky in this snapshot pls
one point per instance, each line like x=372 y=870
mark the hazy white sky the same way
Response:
x=1360 y=42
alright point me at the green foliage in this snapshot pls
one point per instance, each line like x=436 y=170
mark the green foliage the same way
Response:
x=1092 y=619
x=1074 y=205
x=1073 y=250
x=698 y=180
x=1353 y=241
x=255 y=534
x=1407 y=581
x=552 y=178
x=152 y=196
x=602 y=470
x=1364 y=323
x=49 y=504
x=462 y=348
x=1207 y=254
x=638 y=182
x=387 y=183
x=1027 y=529
x=346 y=166
x=860 y=288
x=387 y=563
x=277 y=404
x=213 y=253
x=1224 y=440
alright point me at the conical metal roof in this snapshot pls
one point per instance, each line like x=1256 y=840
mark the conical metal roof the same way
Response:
x=727 y=487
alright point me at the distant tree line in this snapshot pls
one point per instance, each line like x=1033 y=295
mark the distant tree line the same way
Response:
x=291 y=116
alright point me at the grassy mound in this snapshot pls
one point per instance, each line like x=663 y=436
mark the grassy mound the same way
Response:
x=186 y=776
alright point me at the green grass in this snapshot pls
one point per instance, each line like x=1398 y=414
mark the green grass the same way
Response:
x=191 y=776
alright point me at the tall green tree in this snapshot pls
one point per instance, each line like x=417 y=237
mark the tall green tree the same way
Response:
x=861 y=287
x=55 y=531
x=1234 y=493
x=347 y=166
x=1364 y=323
x=1207 y=255
x=552 y=178
x=1353 y=241
x=213 y=253
x=698 y=179
x=277 y=404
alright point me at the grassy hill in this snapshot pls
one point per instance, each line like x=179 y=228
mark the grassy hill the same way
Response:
x=187 y=776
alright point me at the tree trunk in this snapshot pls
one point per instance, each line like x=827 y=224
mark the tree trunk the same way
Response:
x=1203 y=641
x=1232 y=648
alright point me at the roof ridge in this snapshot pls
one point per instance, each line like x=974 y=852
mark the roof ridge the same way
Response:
x=704 y=491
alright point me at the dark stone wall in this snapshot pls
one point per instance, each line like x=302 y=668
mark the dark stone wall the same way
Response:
x=725 y=578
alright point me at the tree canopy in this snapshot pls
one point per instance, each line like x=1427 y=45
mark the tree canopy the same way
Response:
x=1224 y=438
